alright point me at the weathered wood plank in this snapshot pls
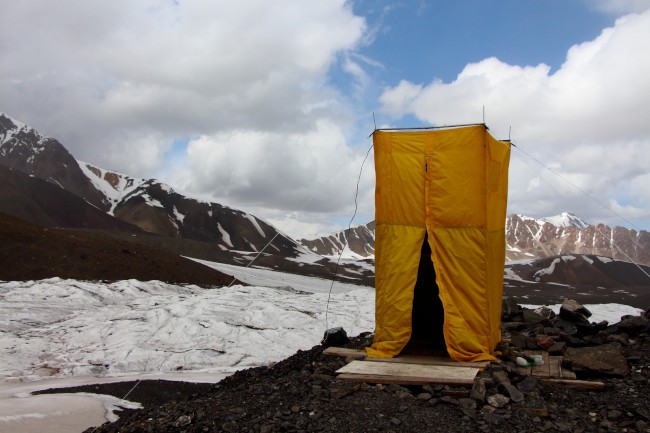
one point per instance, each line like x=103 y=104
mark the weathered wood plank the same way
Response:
x=384 y=372
x=577 y=384
x=555 y=367
x=344 y=352
x=405 y=380
x=431 y=360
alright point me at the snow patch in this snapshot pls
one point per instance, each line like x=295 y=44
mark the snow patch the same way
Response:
x=252 y=219
x=547 y=271
x=224 y=235
x=612 y=312
x=179 y=216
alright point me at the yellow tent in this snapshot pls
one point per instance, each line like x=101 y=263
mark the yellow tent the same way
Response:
x=450 y=185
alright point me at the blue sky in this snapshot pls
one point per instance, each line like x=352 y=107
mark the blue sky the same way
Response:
x=266 y=106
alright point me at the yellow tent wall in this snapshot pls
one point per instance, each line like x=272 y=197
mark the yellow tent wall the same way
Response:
x=451 y=184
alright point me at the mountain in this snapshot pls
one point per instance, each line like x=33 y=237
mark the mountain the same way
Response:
x=564 y=234
x=360 y=242
x=525 y=238
x=49 y=187
x=23 y=148
x=586 y=278
x=156 y=208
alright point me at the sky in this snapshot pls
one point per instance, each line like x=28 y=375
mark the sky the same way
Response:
x=267 y=106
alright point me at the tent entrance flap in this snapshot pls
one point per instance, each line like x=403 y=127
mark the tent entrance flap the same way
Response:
x=427 y=320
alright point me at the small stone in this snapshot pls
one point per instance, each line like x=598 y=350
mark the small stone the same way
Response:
x=498 y=400
x=425 y=396
x=428 y=388
x=557 y=349
x=403 y=395
x=395 y=421
x=478 y=391
x=493 y=418
x=448 y=400
x=614 y=414
x=528 y=384
x=501 y=377
x=544 y=341
x=511 y=391
x=183 y=420
x=295 y=408
x=468 y=407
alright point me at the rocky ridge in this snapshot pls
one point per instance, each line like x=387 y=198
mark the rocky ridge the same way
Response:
x=526 y=238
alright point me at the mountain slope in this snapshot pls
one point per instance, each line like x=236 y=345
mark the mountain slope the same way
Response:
x=586 y=278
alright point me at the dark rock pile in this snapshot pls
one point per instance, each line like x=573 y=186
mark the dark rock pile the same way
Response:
x=587 y=348
x=302 y=394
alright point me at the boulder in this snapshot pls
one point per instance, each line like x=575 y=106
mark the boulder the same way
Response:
x=605 y=359
x=335 y=337
x=574 y=312
x=633 y=325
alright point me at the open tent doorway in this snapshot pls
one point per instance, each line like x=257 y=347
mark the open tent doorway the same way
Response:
x=428 y=314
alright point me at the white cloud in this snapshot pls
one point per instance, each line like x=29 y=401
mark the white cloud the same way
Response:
x=587 y=120
x=177 y=68
x=245 y=82
x=313 y=170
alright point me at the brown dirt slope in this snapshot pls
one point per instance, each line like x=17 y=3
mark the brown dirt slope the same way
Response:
x=31 y=252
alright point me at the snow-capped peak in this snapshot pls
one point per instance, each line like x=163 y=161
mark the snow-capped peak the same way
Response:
x=566 y=219
x=13 y=127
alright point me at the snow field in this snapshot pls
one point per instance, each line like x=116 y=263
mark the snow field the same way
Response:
x=65 y=328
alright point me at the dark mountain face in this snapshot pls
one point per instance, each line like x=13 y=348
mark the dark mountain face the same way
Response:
x=159 y=209
x=42 y=183
x=44 y=203
x=23 y=148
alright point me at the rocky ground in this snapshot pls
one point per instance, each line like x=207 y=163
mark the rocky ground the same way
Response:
x=302 y=394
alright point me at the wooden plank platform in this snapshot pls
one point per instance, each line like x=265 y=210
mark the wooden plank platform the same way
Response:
x=408 y=374
x=403 y=359
x=437 y=370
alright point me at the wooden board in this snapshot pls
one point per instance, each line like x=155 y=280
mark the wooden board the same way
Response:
x=578 y=384
x=407 y=374
x=408 y=359
x=343 y=352
x=552 y=367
